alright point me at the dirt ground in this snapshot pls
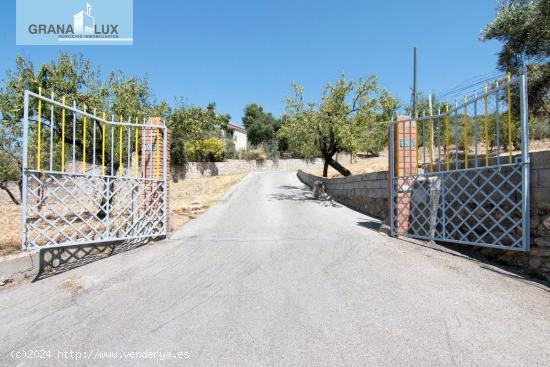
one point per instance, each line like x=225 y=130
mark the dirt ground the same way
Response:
x=188 y=199
x=361 y=165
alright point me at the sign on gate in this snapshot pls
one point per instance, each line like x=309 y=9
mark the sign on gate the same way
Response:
x=466 y=180
x=83 y=181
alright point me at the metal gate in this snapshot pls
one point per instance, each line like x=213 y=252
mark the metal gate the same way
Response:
x=462 y=175
x=87 y=179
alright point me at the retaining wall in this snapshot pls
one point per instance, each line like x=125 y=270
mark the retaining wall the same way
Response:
x=367 y=193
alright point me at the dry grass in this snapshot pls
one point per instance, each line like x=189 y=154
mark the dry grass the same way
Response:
x=188 y=199
x=191 y=197
x=362 y=165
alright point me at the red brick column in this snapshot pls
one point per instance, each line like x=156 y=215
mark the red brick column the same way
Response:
x=152 y=167
x=405 y=164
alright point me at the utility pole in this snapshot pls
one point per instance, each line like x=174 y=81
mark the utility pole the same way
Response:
x=414 y=87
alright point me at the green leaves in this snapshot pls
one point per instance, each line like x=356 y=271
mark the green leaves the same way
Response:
x=346 y=119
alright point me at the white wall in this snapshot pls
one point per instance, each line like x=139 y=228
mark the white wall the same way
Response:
x=240 y=140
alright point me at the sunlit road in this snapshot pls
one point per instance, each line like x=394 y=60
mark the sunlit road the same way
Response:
x=271 y=277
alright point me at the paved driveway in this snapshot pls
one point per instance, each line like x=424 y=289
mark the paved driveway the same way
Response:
x=270 y=277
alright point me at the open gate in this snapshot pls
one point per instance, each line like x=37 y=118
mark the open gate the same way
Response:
x=462 y=175
x=87 y=179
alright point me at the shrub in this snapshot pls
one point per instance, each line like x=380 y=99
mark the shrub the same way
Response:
x=539 y=128
x=208 y=150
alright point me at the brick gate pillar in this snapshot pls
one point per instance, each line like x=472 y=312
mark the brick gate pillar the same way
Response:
x=405 y=166
x=152 y=168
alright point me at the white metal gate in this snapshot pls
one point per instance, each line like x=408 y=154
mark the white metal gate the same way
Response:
x=462 y=175
x=87 y=179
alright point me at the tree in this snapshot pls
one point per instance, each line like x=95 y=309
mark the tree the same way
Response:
x=341 y=122
x=190 y=127
x=261 y=127
x=523 y=26
x=74 y=78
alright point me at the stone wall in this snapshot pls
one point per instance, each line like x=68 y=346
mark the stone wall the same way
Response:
x=367 y=193
x=206 y=169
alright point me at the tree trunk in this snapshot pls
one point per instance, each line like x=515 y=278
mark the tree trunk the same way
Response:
x=4 y=186
x=337 y=166
x=329 y=161
x=325 y=168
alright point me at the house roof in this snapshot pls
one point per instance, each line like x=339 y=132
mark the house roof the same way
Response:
x=233 y=127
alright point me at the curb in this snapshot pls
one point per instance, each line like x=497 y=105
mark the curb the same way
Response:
x=14 y=268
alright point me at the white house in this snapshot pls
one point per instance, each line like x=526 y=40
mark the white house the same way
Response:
x=239 y=136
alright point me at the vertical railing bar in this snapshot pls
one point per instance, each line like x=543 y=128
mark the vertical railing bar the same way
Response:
x=447 y=139
x=455 y=123
x=165 y=177
x=74 y=136
x=103 y=145
x=509 y=103
x=112 y=145
x=431 y=133
x=423 y=142
x=39 y=132
x=486 y=123
x=84 y=142
x=136 y=168
x=392 y=175
x=128 y=148
x=93 y=143
x=465 y=131
x=439 y=139
x=497 y=123
x=416 y=141
x=120 y=150
x=524 y=127
x=24 y=168
x=52 y=125
x=476 y=161
x=151 y=173
x=63 y=136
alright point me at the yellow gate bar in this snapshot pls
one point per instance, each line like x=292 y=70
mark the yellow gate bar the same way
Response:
x=103 y=146
x=158 y=155
x=508 y=76
x=465 y=132
x=120 y=147
x=486 y=122
x=430 y=143
x=417 y=140
x=447 y=139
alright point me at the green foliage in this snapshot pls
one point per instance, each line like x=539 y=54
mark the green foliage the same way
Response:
x=539 y=128
x=208 y=150
x=523 y=26
x=261 y=127
x=191 y=125
x=348 y=119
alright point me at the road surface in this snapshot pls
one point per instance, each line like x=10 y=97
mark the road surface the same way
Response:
x=268 y=277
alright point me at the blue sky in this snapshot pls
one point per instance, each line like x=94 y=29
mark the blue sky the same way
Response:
x=238 y=52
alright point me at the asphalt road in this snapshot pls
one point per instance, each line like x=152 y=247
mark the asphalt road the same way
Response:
x=269 y=276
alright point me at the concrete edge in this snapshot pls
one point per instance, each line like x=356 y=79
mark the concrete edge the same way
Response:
x=16 y=267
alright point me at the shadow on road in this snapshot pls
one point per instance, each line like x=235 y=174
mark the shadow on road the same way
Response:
x=53 y=261
x=371 y=224
x=296 y=193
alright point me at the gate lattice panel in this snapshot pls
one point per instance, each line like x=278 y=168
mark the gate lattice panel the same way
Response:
x=456 y=177
x=89 y=180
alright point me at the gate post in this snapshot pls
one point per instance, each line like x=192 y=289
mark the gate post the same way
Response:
x=155 y=165
x=404 y=166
